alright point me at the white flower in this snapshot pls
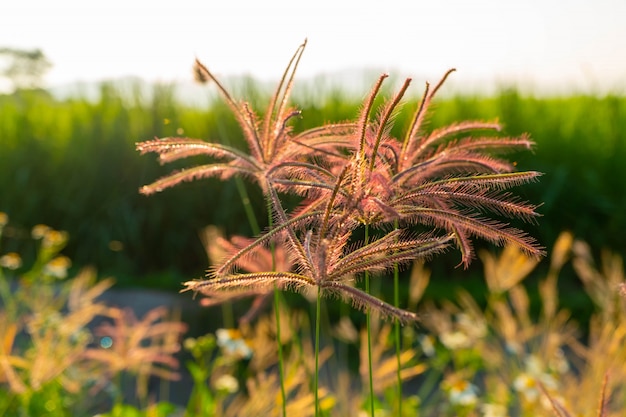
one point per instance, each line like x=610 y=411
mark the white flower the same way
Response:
x=11 y=260
x=474 y=328
x=227 y=383
x=53 y=238
x=58 y=266
x=455 y=340
x=533 y=365
x=233 y=344
x=39 y=231
x=526 y=384
x=463 y=393
x=428 y=345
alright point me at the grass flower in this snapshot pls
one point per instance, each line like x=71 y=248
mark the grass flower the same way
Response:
x=326 y=264
x=433 y=179
x=271 y=144
x=449 y=183
x=52 y=340
x=219 y=248
x=353 y=174
x=143 y=347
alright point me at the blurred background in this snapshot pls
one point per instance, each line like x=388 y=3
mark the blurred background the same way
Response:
x=81 y=83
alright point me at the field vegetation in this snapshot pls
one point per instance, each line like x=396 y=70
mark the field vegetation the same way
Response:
x=297 y=203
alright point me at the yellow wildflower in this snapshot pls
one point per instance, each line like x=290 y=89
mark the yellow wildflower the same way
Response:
x=39 y=231
x=11 y=260
x=54 y=238
x=58 y=267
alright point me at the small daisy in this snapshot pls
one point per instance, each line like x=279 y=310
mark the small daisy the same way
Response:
x=39 y=231
x=455 y=340
x=58 y=267
x=11 y=260
x=54 y=238
x=427 y=343
x=526 y=384
x=227 y=383
x=463 y=393
x=233 y=344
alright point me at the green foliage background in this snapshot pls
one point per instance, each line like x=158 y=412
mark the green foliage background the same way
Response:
x=72 y=164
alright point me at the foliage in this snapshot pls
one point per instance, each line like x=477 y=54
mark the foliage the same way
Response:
x=25 y=68
x=461 y=359
x=530 y=366
x=52 y=360
x=466 y=360
x=362 y=201
x=88 y=143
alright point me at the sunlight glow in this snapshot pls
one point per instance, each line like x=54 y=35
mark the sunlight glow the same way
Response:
x=578 y=44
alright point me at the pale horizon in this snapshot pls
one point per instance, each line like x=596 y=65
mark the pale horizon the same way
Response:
x=544 y=45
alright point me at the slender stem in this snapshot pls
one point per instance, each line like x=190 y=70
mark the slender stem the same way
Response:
x=369 y=335
x=227 y=308
x=317 y=348
x=254 y=225
x=280 y=350
x=281 y=368
x=228 y=317
x=396 y=304
x=245 y=199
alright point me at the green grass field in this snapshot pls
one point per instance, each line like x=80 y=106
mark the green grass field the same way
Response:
x=72 y=164
x=482 y=340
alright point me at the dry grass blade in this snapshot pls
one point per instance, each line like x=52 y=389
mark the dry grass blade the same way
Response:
x=557 y=408
x=603 y=396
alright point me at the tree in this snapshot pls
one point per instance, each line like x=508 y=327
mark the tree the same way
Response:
x=24 y=69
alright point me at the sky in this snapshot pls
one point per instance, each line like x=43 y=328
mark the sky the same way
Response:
x=547 y=45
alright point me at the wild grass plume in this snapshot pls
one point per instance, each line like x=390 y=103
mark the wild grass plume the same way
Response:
x=442 y=188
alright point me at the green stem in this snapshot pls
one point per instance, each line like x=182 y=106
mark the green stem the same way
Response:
x=245 y=199
x=256 y=230
x=280 y=350
x=369 y=335
x=318 y=315
x=227 y=308
x=281 y=369
x=396 y=303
